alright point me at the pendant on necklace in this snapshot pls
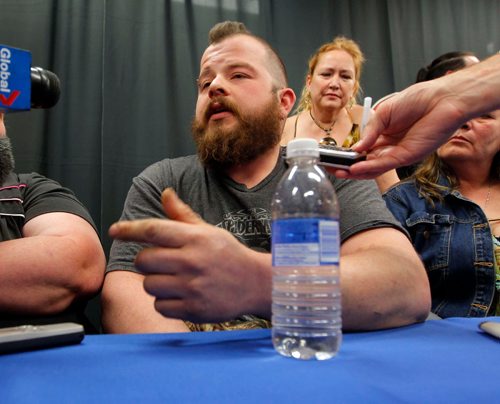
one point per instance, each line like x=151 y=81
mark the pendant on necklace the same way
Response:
x=328 y=141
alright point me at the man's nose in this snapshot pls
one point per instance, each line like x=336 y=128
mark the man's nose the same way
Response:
x=217 y=87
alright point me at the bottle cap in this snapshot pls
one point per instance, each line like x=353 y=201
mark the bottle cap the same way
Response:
x=304 y=147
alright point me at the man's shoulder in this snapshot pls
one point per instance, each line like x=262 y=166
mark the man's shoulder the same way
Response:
x=36 y=195
x=171 y=172
x=35 y=177
x=183 y=163
x=22 y=181
x=347 y=183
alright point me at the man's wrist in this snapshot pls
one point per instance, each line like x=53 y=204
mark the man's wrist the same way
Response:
x=258 y=301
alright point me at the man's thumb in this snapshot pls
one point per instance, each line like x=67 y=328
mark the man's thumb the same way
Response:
x=176 y=209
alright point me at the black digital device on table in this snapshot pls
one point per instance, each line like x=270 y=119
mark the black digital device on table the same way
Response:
x=29 y=337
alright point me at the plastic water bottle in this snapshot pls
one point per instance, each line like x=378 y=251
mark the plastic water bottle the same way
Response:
x=306 y=309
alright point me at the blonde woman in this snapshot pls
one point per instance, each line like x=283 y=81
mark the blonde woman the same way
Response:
x=327 y=109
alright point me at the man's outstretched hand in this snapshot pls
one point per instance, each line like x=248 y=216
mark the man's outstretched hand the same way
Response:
x=196 y=271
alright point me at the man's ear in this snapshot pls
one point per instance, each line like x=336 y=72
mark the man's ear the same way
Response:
x=287 y=100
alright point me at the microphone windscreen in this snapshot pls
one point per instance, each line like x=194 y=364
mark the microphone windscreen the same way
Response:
x=45 y=88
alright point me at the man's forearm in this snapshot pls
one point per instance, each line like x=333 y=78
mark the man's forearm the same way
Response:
x=392 y=292
x=476 y=87
x=44 y=274
x=127 y=308
x=383 y=288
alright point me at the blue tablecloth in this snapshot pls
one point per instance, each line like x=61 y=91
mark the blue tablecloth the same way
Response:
x=442 y=361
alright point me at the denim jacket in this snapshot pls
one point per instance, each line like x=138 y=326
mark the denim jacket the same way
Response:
x=455 y=243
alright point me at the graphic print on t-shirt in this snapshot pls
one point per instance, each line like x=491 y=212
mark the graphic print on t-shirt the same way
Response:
x=251 y=226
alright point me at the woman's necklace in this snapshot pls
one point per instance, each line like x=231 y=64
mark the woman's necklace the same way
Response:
x=487 y=196
x=486 y=204
x=328 y=139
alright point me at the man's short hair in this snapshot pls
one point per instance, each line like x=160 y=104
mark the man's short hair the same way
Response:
x=226 y=29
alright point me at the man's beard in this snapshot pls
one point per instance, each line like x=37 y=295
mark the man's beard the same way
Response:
x=253 y=135
x=6 y=158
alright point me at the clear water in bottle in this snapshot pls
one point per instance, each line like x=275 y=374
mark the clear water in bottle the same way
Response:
x=306 y=309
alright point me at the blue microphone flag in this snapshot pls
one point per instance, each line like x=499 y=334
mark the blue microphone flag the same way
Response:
x=15 y=79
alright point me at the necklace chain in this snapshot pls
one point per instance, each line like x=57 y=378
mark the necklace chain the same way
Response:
x=487 y=196
x=486 y=204
x=326 y=130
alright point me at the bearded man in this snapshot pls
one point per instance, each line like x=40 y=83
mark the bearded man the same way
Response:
x=209 y=266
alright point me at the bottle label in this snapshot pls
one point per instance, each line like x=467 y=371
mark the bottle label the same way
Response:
x=305 y=242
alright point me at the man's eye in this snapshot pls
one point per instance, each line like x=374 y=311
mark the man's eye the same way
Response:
x=203 y=85
x=239 y=76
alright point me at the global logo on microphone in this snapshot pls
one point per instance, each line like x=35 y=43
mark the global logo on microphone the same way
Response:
x=15 y=79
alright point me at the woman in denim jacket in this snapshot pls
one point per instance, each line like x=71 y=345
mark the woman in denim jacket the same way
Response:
x=451 y=208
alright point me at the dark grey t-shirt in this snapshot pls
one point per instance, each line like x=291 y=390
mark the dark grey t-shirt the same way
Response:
x=246 y=213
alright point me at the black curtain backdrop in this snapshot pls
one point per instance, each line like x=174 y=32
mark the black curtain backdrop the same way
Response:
x=128 y=70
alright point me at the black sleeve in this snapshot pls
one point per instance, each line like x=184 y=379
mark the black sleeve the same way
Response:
x=43 y=195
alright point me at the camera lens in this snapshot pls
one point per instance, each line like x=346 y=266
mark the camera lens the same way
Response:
x=45 y=88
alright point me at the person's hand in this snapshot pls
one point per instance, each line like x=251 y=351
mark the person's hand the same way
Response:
x=196 y=271
x=405 y=128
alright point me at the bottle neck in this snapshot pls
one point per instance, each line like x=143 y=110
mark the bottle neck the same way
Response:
x=302 y=160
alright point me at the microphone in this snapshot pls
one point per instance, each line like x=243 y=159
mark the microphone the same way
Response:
x=23 y=87
x=45 y=88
